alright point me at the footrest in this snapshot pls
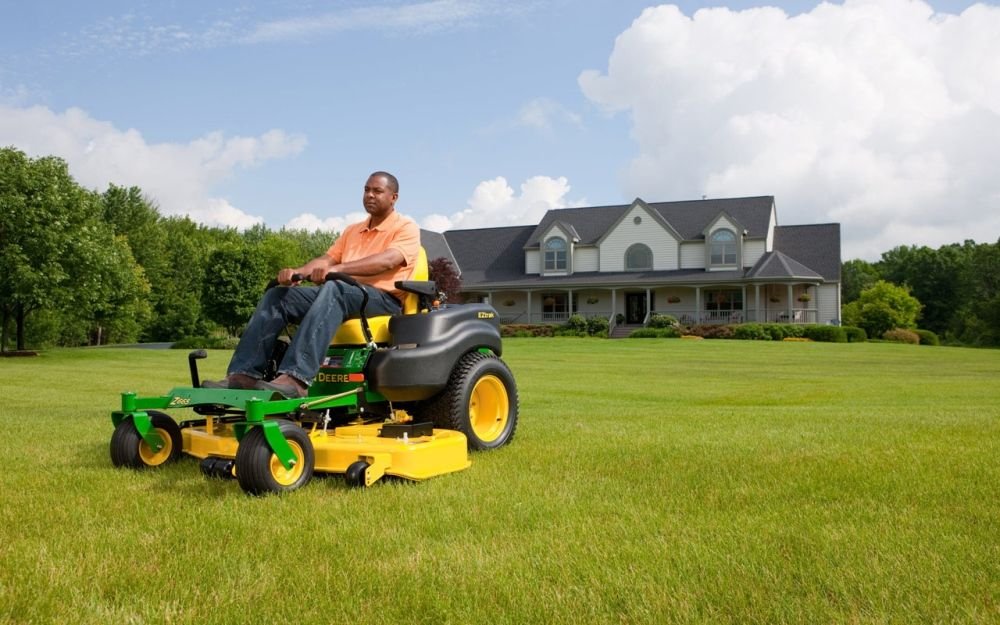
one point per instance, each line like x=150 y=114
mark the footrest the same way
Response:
x=411 y=430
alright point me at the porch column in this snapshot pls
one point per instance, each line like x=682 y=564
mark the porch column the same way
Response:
x=614 y=302
x=569 y=301
x=649 y=306
x=756 y=303
x=489 y=297
x=697 y=305
x=529 y=306
x=789 y=307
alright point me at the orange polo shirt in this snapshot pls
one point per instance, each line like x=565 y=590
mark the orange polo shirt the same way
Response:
x=396 y=232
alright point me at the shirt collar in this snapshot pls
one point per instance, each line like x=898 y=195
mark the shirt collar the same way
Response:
x=382 y=226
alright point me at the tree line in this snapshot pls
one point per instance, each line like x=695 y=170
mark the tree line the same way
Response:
x=956 y=288
x=82 y=267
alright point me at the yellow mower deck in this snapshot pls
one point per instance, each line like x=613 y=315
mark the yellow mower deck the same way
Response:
x=416 y=458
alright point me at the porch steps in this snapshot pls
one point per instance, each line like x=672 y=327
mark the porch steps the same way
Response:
x=623 y=331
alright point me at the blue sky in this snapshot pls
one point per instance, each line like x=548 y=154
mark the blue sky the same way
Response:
x=883 y=115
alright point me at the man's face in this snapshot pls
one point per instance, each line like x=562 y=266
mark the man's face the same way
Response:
x=379 y=198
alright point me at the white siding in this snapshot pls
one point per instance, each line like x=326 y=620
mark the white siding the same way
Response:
x=752 y=251
x=586 y=259
x=828 y=302
x=532 y=262
x=722 y=222
x=649 y=232
x=692 y=256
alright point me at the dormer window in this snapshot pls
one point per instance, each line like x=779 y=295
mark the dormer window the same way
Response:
x=638 y=257
x=722 y=248
x=555 y=255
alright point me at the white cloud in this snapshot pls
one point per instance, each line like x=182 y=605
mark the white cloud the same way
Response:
x=879 y=114
x=309 y=221
x=543 y=113
x=180 y=177
x=494 y=203
x=420 y=17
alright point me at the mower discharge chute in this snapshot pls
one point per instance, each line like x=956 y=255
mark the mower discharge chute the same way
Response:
x=405 y=395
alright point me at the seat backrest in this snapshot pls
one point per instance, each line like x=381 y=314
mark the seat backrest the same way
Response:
x=411 y=303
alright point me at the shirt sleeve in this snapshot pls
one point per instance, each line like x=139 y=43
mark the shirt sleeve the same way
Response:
x=336 y=251
x=407 y=241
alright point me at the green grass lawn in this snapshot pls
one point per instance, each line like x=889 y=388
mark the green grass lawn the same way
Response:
x=650 y=481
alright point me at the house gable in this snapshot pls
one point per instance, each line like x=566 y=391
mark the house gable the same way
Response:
x=717 y=254
x=639 y=224
x=558 y=231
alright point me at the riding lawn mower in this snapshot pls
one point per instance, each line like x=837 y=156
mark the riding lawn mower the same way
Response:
x=406 y=395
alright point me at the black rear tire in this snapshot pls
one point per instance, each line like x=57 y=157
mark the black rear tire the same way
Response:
x=129 y=450
x=480 y=401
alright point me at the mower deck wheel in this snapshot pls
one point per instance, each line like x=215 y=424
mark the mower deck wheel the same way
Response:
x=258 y=469
x=355 y=474
x=128 y=449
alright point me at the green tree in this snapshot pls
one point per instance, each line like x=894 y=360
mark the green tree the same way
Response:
x=234 y=285
x=933 y=277
x=856 y=276
x=45 y=218
x=977 y=322
x=882 y=307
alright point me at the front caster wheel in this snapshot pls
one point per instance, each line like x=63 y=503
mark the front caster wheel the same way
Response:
x=128 y=449
x=355 y=475
x=260 y=472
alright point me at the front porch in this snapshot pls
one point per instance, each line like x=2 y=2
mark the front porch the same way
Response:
x=691 y=305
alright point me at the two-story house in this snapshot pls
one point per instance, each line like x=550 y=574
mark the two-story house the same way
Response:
x=702 y=261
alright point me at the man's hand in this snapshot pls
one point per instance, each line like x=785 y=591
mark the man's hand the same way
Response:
x=318 y=275
x=285 y=276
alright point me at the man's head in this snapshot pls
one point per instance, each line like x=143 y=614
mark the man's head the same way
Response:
x=381 y=193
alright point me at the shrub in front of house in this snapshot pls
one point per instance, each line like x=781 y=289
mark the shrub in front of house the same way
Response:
x=927 y=337
x=751 y=332
x=597 y=326
x=655 y=333
x=826 y=334
x=525 y=330
x=855 y=334
x=901 y=335
x=662 y=321
x=711 y=331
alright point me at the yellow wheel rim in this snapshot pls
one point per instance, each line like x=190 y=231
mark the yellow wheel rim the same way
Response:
x=155 y=458
x=288 y=477
x=488 y=408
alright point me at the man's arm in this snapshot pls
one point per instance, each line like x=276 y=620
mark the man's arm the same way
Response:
x=317 y=268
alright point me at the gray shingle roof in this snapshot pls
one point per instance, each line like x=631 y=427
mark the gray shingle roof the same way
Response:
x=817 y=246
x=436 y=246
x=774 y=265
x=688 y=218
x=490 y=254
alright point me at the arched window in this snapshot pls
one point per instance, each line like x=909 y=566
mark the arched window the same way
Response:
x=638 y=257
x=723 y=248
x=555 y=254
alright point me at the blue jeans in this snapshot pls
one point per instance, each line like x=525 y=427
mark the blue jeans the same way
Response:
x=319 y=311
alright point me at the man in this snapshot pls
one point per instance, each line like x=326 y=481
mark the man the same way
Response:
x=376 y=252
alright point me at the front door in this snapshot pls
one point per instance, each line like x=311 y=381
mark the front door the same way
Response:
x=635 y=308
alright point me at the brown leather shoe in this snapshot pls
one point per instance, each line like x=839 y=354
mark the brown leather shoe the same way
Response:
x=284 y=384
